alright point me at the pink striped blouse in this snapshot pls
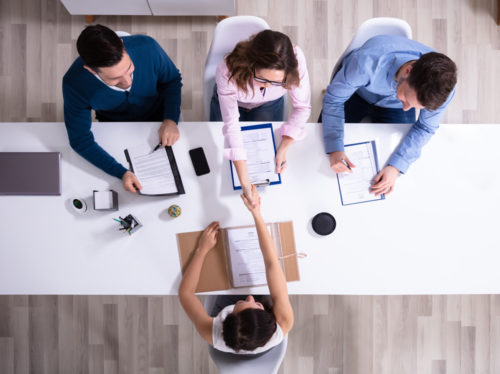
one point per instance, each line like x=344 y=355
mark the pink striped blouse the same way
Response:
x=230 y=97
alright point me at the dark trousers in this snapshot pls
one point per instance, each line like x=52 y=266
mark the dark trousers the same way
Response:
x=356 y=108
x=267 y=112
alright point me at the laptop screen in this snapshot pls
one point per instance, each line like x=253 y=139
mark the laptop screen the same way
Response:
x=30 y=173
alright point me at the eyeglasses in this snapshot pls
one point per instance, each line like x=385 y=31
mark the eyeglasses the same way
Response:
x=264 y=81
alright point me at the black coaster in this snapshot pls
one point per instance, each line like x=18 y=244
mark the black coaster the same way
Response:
x=323 y=223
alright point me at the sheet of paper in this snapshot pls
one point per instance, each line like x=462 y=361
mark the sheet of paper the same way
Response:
x=355 y=187
x=247 y=263
x=153 y=170
x=260 y=156
x=103 y=200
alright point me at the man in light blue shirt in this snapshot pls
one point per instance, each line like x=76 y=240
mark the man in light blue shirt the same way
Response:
x=387 y=79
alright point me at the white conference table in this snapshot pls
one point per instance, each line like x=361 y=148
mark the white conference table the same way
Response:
x=437 y=233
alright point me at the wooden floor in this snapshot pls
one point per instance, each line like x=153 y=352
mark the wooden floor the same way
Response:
x=37 y=45
x=332 y=335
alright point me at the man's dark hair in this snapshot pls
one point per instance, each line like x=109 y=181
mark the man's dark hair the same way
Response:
x=249 y=329
x=433 y=77
x=99 y=47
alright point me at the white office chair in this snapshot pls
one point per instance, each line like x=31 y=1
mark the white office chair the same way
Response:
x=227 y=34
x=370 y=28
x=228 y=363
x=122 y=33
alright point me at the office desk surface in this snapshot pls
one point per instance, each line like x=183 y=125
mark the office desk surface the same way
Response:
x=436 y=234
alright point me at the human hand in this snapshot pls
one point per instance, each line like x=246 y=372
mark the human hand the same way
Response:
x=168 y=133
x=255 y=207
x=247 y=191
x=131 y=182
x=209 y=237
x=281 y=163
x=338 y=162
x=384 y=181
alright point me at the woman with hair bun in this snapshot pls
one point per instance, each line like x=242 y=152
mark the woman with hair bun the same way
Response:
x=238 y=324
x=250 y=84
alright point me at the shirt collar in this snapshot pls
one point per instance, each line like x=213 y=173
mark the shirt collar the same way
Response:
x=114 y=87
x=396 y=63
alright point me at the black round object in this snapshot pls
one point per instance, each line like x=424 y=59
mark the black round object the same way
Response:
x=323 y=223
x=78 y=204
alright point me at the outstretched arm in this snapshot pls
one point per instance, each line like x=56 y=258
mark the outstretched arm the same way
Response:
x=274 y=273
x=189 y=301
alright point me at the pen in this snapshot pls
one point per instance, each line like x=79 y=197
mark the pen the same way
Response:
x=157 y=147
x=283 y=164
x=346 y=164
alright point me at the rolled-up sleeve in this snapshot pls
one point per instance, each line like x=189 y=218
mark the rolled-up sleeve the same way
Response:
x=411 y=146
x=228 y=101
x=301 y=102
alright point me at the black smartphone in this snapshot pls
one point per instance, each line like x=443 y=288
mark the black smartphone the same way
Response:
x=199 y=161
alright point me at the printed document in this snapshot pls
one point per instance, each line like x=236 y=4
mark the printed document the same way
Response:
x=153 y=170
x=259 y=145
x=355 y=187
x=247 y=262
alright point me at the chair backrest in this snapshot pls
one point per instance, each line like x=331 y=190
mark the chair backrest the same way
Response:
x=373 y=27
x=227 y=34
x=267 y=362
x=122 y=33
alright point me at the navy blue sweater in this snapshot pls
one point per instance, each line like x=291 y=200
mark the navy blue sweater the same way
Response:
x=156 y=88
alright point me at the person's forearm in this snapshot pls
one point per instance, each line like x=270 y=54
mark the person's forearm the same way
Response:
x=265 y=240
x=97 y=156
x=411 y=146
x=286 y=142
x=276 y=280
x=242 y=171
x=192 y=274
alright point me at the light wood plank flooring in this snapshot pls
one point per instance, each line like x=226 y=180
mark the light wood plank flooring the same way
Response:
x=37 y=45
x=332 y=335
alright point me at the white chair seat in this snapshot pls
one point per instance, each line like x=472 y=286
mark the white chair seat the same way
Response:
x=227 y=34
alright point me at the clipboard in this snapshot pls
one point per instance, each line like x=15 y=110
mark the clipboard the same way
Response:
x=261 y=181
x=175 y=173
x=375 y=159
x=216 y=273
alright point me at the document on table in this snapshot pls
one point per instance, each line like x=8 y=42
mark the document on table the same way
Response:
x=355 y=188
x=157 y=171
x=258 y=141
x=247 y=262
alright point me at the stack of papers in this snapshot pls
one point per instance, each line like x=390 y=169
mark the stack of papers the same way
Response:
x=355 y=187
x=259 y=144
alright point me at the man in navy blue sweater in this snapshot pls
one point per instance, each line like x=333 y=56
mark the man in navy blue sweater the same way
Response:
x=128 y=79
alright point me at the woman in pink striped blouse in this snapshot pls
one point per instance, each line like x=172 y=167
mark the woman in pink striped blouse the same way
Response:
x=250 y=84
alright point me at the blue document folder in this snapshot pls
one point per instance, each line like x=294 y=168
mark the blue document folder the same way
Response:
x=259 y=143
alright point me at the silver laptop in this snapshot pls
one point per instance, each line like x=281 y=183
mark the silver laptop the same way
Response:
x=30 y=173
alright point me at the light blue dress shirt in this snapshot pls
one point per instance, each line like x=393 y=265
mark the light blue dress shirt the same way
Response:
x=369 y=71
